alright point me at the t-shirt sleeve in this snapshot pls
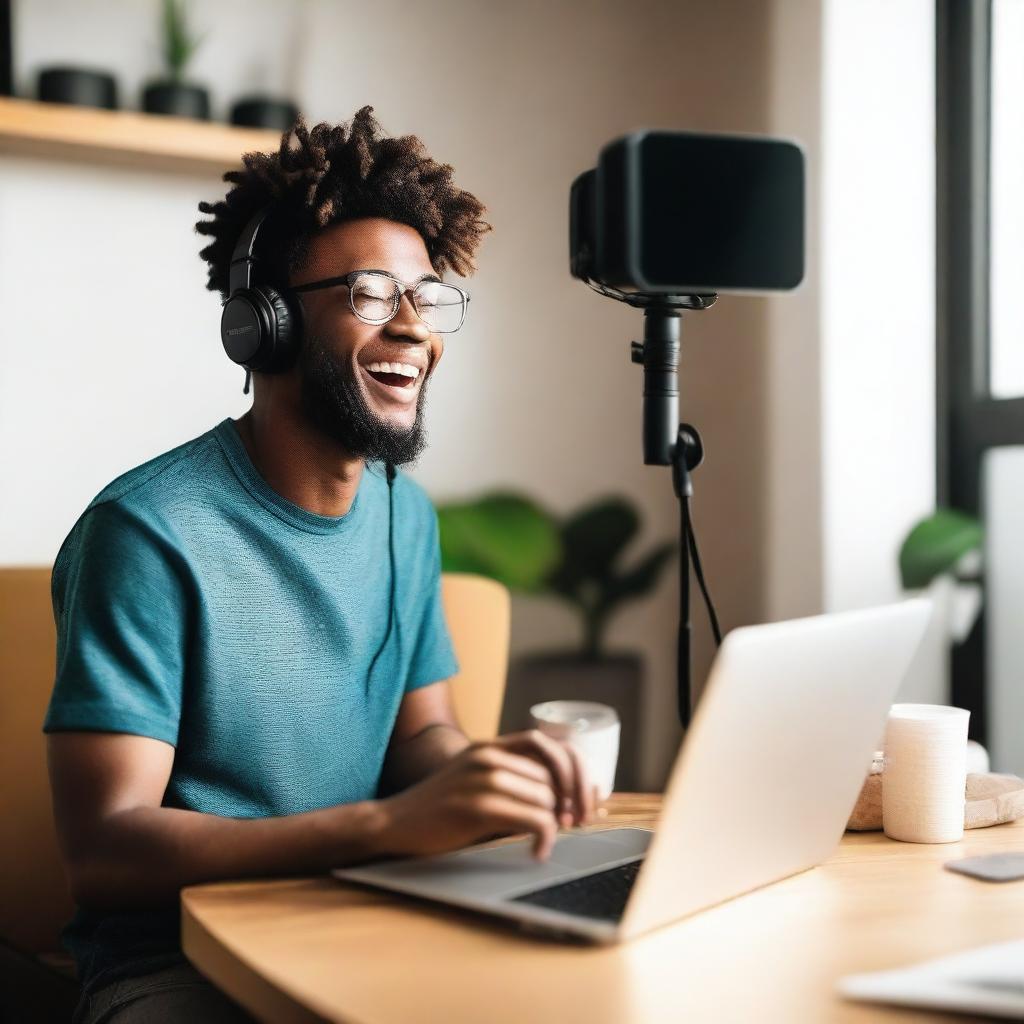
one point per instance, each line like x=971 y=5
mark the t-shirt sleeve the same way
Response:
x=434 y=655
x=121 y=615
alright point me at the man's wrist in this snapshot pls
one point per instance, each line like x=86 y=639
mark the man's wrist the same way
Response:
x=422 y=755
x=383 y=838
x=360 y=832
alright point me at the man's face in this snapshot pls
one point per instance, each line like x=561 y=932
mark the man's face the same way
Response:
x=370 y=418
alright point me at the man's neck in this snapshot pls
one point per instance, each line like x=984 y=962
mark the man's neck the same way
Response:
x=298 y=462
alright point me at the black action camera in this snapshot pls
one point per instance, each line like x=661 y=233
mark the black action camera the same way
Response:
x=684 y=213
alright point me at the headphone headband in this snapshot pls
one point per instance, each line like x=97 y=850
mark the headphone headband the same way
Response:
x=259 y=328
x=243 y=258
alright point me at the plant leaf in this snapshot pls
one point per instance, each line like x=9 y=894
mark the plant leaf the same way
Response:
x=936 y=544
x=639 y=580
x=592 y=540
x=503 y=535
x=178 y=45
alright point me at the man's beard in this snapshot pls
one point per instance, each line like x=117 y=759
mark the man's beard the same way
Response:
x=334 y=403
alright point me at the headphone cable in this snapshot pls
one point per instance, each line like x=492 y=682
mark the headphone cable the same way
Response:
x=390 y=472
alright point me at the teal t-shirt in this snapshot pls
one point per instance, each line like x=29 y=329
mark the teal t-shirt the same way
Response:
x=270 y=645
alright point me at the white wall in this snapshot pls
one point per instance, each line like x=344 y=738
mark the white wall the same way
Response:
x=816 y=407
x=1002 y=476
x=877 y=290
x=1003 y=468
x=1006 y=201
x=850 y=365
x=792 y=524
x=111 y=351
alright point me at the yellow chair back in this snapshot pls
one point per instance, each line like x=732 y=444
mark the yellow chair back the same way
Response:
x=34 y=898
x=478 y=612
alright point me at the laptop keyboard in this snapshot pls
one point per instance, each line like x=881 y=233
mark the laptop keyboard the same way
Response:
x=602 y=895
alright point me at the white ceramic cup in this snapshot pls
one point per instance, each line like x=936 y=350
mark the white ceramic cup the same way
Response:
x=924 y=780
x=592 y=728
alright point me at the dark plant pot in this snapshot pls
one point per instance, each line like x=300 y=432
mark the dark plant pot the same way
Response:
x=615 y=679
x=264 y=112
x=78 y=86
x=6 y=56
x=178 y=99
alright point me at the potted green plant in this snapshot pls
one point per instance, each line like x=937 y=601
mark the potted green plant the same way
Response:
x=513 y=539
x=172 y=94
x=941 y=557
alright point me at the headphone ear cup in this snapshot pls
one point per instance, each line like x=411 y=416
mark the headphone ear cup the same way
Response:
x=245 y=327
x=286 y=320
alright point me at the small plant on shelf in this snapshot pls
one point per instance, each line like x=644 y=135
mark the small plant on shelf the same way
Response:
x=172 y=94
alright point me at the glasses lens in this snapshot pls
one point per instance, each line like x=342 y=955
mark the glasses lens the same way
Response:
x=440 y=306
x=375 y=297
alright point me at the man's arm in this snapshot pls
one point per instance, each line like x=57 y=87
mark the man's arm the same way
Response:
x=426 y=736
x=122 y=849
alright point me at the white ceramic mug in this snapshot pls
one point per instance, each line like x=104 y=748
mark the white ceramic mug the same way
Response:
x=925 y=773
x=592 y=728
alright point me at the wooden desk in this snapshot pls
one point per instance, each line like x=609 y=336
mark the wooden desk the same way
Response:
x=315 y=949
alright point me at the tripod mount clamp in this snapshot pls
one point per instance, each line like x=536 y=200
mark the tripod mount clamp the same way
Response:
x=687 y=455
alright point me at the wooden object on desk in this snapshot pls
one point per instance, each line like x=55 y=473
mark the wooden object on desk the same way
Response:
x=126 y=137
x=314 y=949
x=990 y=799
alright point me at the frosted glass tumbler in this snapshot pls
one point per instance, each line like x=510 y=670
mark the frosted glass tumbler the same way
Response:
x=592 y=728
x=925 y=774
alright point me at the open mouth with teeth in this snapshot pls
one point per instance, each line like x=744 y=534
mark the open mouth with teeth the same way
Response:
x=395 y=375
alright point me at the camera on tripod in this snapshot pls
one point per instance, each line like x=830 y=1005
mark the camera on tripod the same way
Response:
x=678 y=214
x=664 y=222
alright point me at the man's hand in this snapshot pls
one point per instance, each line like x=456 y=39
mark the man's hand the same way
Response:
x=522 y=782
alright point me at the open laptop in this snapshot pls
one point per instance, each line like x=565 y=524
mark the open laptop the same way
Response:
x=762 y=788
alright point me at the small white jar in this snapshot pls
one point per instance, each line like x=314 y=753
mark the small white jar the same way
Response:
x=925 y=777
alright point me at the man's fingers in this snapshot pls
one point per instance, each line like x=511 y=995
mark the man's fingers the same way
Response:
x=501 y=813
x=584 y=787
x=489 y=755
x=529 y=791
x=559 y=763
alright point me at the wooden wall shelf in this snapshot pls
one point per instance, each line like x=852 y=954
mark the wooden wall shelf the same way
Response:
x=126 y=137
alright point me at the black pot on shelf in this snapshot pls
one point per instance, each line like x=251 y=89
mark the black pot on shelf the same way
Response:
x=180 y=99
x=82 y=87
x=264 y=112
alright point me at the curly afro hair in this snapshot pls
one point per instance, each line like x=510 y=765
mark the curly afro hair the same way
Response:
x=335 y=173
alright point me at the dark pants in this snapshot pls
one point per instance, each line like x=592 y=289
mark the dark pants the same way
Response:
x=174 y=994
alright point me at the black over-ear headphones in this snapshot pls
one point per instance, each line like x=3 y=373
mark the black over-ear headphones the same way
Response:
x=259 y=327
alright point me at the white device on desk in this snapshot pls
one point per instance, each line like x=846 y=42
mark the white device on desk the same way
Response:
x=988 y=981
x=762 y=788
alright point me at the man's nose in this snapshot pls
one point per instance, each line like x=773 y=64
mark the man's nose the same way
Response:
x=406 y=322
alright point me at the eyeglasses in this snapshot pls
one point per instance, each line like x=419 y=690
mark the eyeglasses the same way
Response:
x=375 y=295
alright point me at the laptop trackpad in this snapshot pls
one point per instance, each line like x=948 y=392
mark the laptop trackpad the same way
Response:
x=596 y=848
x=502 y=869
x=480 y=873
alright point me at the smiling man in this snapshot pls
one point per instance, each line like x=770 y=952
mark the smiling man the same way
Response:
x=252 y=653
